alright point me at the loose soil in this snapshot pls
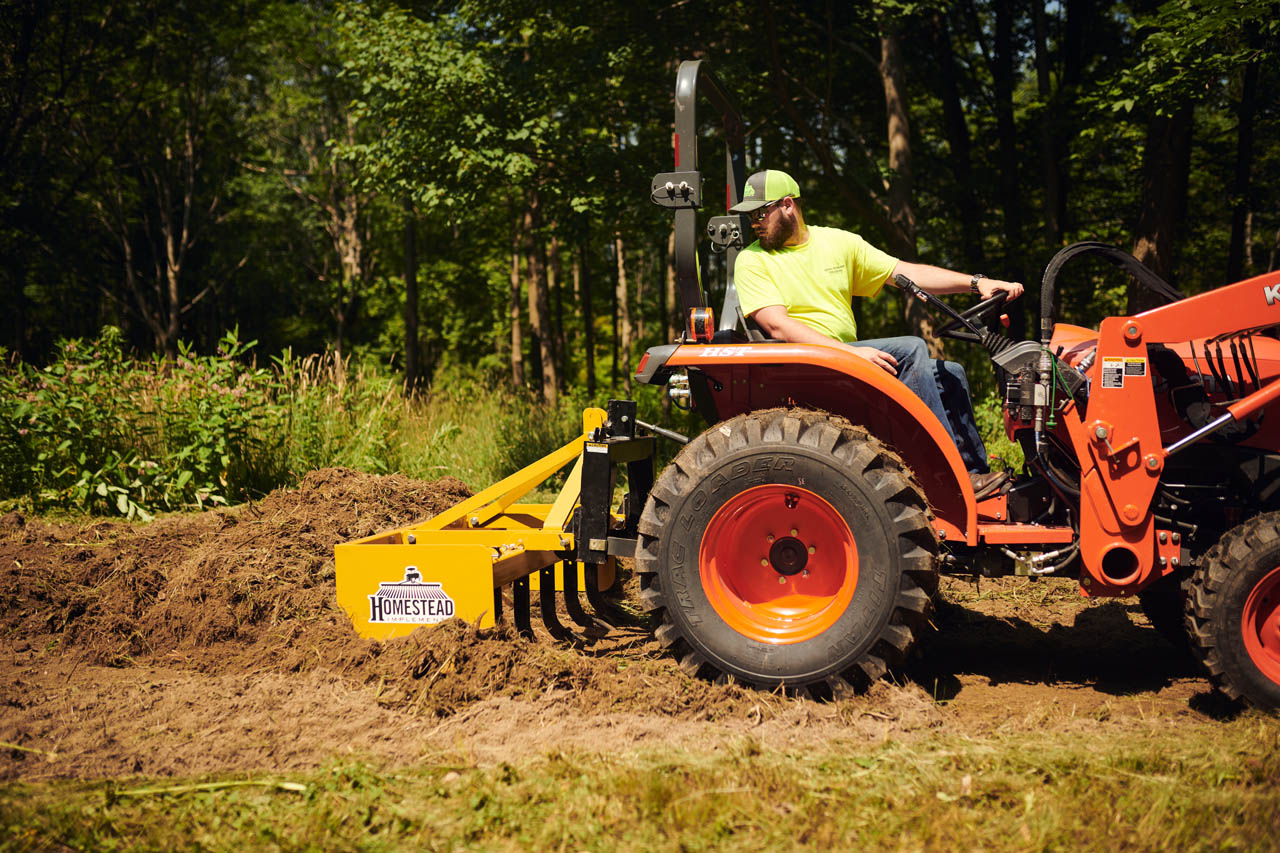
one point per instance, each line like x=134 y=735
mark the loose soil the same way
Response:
x=212 y=643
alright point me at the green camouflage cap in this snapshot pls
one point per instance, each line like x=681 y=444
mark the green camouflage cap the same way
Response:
x=764 y=187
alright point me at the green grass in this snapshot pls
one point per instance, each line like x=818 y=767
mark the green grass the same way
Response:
x=1214 y=788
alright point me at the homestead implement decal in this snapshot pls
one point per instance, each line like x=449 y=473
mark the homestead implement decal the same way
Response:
x=410 y=601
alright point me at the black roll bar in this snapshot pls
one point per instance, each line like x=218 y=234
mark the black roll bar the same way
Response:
x=682 y=189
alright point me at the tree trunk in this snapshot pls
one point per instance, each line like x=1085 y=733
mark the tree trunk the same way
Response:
x=901 y=212
x=513 y=306
x=864 y=200
x=1010 y=186
x=339 y=330
x=1079 y=22
x=1076 y=55
x=641 y=278
x=410 y=299
x=17 y=313
x=899 y=127
x=582 y=284
x=555 y=283
x=539 y=303
x=1238 y=254
x=1002 y=73
x=968 y=205
x=1050 y=142
x=1165 y=170
x=1249 y=265
x=623 y=316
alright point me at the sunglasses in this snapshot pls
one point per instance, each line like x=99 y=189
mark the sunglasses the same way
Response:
x=761 y=212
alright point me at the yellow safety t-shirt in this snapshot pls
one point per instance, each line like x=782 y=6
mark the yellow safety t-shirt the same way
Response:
x=815 y=281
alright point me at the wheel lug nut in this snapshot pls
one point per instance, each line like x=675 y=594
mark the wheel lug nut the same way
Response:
x=812 y=550
x=782 y=578
x=805 y=573
x=769 y=538
x=795 y=532
x=764 y=561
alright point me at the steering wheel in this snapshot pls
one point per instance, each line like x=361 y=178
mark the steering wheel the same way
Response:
x=977 y=315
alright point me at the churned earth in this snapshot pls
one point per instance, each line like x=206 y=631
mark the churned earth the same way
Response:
x=212 y=643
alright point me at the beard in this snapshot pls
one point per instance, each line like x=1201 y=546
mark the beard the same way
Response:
x=777 y=231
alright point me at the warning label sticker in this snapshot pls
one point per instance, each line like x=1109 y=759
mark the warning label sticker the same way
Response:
x=1114 y=370
x=1113 y=373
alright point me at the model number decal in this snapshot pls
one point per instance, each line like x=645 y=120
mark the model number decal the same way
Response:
x=719 y=352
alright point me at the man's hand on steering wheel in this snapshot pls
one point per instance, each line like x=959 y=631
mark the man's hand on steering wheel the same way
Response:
x=989 y=287
x=994 y=294
x=966 y=326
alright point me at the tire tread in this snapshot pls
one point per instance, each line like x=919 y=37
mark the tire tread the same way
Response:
x=854 y=448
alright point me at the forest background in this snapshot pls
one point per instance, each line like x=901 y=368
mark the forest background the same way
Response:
x=454 y=197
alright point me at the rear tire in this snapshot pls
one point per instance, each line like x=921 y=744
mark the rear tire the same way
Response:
x=1233 y=612
x=787 y=548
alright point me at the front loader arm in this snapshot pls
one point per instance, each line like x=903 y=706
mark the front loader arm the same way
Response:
x=1119 y=444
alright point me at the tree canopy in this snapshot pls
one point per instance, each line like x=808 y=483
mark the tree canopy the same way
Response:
x=464 y=185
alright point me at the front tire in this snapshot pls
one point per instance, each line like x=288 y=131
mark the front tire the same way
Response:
x=787 y=548
x=1233 y=612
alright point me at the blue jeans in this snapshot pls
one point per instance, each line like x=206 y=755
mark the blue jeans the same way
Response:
x=943 y=387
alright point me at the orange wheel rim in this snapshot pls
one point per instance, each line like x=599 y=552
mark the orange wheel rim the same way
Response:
x=1261 y=625
x=778 y=564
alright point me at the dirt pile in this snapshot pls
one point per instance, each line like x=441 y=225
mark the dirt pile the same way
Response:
x=251 y=589
x=243 y=588
x=213 y=642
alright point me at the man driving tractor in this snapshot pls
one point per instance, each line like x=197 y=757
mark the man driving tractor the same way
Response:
x=797 y=282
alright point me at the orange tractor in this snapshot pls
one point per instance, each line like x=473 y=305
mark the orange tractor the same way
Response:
x=797 y=541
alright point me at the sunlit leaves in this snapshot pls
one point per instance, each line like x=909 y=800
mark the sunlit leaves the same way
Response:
x=1189 y=48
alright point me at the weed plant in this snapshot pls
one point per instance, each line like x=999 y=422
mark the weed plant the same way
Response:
x=98 y=431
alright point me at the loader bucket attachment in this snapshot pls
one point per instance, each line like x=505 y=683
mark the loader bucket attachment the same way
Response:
x=457 y=564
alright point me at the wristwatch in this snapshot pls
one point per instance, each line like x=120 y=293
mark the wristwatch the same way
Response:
x=973 y=283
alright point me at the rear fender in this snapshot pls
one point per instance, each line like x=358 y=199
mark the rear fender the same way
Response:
x=747 y=377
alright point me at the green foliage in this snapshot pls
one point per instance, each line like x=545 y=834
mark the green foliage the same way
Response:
x=259 y=157
x=1187 y=47
x=988 y=413
x=462 y=426
x=435 y=97
x=466 y=428
x=100 y=432
x=338 y=415
x=97 y=431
